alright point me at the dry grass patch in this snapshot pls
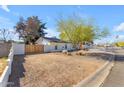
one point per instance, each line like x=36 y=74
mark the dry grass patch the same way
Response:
x=57 y=69
x=3 y=63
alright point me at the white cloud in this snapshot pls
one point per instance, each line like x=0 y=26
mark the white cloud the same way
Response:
x=120 y=27
x=120 y=38
x=5 y=7
x=51 y=33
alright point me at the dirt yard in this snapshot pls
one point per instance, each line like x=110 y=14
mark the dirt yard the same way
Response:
x=3 y=64
x=52 y=69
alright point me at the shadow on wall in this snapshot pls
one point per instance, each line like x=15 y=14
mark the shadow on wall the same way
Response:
x=17 y=71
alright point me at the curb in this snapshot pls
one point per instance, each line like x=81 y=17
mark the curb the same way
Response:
x=4 y=77
x=97 y=78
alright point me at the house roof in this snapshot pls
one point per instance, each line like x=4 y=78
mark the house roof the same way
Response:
x=54 y=39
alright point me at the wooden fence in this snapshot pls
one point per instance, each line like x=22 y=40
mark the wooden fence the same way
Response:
x=31 y=49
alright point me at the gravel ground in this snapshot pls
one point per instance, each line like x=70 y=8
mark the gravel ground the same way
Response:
x=52 y=69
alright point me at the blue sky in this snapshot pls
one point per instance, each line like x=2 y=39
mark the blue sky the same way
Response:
x=110 y=16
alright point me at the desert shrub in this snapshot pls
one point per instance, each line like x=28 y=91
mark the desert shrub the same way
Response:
x=69 y=54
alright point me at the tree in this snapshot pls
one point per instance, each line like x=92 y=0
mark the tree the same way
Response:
x=20 y=28
x=31 y=29
x=101 y=33
x=68 y=29
x=77 y=31
x=5 y=35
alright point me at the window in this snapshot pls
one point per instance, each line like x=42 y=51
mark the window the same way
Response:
x=56 y=47
x=65 y=46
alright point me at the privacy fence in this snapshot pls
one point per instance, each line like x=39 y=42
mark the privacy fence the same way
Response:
x=29 y=49
x=33 y=49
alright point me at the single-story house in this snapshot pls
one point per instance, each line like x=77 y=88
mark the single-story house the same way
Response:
x=54 y=44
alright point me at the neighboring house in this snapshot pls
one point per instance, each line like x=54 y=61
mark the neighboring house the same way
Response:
x=54 y=44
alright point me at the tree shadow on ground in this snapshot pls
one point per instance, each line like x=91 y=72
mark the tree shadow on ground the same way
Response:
x=119 y=58
x=17 y=71
x=104 y=56
x=109 y=57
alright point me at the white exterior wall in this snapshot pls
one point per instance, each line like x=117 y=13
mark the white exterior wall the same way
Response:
x=39 y=41
x=18 y=48
x=7 y=71
x=69 y=46
x=42 y=41
x=60 y=47
x=49 y=47
x=15 y=50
